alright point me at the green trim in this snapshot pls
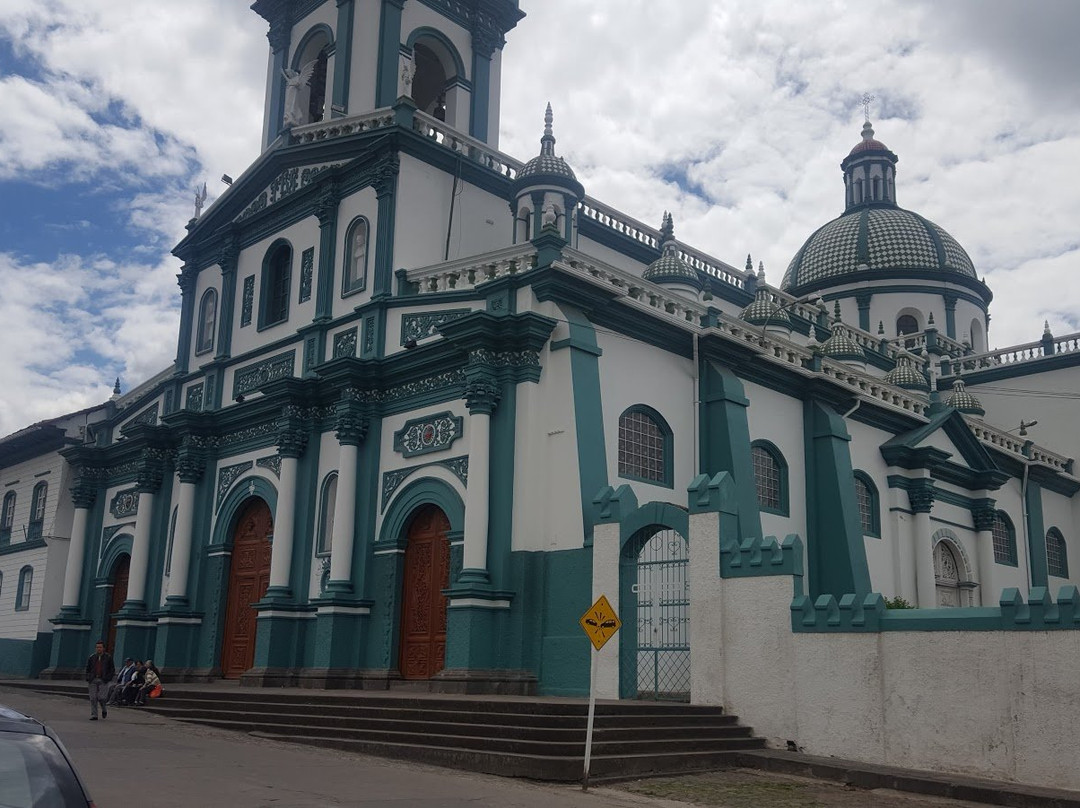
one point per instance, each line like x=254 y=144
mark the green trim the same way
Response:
x=446 y=42
x=230 y=506
x=651 y=514
x=339 y=105
x=118 y=545
x=389 y=47
x=427 y=490
x=874 y=529
x=277 y=92
x=755 y=558
x=384 y=242
x=481 y=77
x=836 y=551
x=1036 y=535
x=21 y=546
x=777 y=456
x=667 y=479
x=226 y=306
x=588 y=415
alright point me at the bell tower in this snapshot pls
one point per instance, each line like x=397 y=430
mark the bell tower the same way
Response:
x=343 y=58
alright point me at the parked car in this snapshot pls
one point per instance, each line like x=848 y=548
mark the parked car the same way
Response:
x=35 y=769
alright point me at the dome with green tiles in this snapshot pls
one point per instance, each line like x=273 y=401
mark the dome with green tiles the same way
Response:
x=764 y=310
x=960 y=399
x=840 y=345
x=670 y=267
x=547 y=164
x=906 y=375
x=875 y=239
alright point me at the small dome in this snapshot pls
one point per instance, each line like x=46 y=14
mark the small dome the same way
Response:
x=764 y=311
x=547 y=163
x=840 y=345
x=906 y=375
x=960 y=399
x=868 y=143
x=669 y=267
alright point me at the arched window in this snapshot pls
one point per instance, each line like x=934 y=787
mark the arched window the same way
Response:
x=306 y=99
x=37 y=510
x=22 y=595
x=906 y=324
x=1004 y=540
x=207 y=322
x=1057 y=556
x=438 y=81
x=8 y=517
x=326 y=514
x=645 y=446
x=770 y=477
x=429 y=82
x=276 y=284
x=523 y=226
x=975 y=334
x=354 y=278
x=869 y=507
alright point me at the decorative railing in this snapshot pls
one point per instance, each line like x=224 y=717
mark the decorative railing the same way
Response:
x=468 y=273
x=342 y=127
x=471 y=148
x=1015 y=445
x=1015 y=354
x=917 y=342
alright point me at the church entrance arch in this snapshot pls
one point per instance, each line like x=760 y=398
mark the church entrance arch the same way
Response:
x=423 y=610
x=119 y=577
x=655 y=605
x=249 y=577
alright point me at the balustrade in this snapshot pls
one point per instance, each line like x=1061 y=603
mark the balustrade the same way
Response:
x=342 y=127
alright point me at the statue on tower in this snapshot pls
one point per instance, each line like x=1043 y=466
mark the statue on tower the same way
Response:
x=295 y=80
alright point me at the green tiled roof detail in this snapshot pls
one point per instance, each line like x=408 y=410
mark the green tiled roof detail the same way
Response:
x=764 y=311
x=906 y=375
x=547 y=163
x=877 y=239
x=960 y=399
x=669 y=267
x=841 y=346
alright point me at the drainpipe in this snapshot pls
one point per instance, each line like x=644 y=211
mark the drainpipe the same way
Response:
x=1024 y=512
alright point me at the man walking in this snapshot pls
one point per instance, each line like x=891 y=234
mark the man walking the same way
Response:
x=99 y=672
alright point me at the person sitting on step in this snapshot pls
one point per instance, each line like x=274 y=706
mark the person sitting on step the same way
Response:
x=150 y=681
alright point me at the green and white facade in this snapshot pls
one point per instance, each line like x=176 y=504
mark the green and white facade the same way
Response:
x=385 y=315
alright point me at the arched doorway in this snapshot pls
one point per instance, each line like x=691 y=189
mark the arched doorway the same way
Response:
x=655 y=600
x=423 y=606
x=249 y=576
x=119 y=578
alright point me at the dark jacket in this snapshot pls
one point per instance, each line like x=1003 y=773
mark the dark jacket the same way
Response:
x=108 y=670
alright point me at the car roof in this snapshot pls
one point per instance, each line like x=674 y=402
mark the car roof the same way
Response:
x=14 y=721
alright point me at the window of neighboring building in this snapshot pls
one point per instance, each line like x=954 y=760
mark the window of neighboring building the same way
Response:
x=37 y=511
x=770 y=477
x=207 y=322
x=645 y=446
x=1057 y=557
x=354 y=278
x=22 y=596
x=8 y=517
x=276 y=283
x=326 y=514
x=1004 y=540
x=869 y=509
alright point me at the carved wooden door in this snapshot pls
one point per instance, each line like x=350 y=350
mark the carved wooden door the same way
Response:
x=427 y=574
x=119 y=594
x=249 y=576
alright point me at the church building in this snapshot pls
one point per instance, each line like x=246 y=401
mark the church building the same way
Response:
x=429 y=401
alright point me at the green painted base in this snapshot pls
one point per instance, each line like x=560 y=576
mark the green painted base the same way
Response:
x=71 y=646
x=135 y=638
x=472 y=637
x=175 y=643
x=279 y=641
x=339 y=639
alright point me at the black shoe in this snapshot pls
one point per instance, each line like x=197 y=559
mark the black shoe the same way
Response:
x=93 y=718
x=104 y=713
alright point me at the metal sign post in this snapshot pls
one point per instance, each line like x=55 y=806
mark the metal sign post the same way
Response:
x=600 y=624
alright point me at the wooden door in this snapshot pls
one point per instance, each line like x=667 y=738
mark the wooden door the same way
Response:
x=121 y=570
x=249 y=576
x=427 y=574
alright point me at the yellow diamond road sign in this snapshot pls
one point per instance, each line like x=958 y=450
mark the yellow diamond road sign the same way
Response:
x=600 y=622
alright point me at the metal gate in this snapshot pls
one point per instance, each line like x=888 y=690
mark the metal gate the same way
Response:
x=663 y=618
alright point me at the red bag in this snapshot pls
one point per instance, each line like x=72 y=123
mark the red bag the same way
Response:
x=156 y=691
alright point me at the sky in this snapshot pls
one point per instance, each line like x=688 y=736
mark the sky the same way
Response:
x=733 y=115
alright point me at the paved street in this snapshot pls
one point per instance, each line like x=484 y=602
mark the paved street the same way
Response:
x=136 y=757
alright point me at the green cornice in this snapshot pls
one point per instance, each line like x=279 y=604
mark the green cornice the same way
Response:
x=21 y=546
x=32 y=442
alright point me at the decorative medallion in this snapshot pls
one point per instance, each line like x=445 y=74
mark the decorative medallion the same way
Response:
x=248 y=301
x=226 y=477
x=345 y=343
x=307 y=269
x=273 y=463
x=255 y=376
x=194 y=398
x=426 y=324
x=124 y=503
x=431 y=434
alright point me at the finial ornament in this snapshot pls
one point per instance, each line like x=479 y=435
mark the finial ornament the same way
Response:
x=865 y=101
x=547 y=142
x=749 y=263
x=116 y=387
x=761 y=271
x=1046 y=328
x=667 y=229
x=200 y=199
x=836 y=311
x=881 y=327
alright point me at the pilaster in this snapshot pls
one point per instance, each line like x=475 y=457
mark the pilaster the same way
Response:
x=227 y=260
x=384 y=180
x=921 y=496
x=186 y=280
x=339 y=105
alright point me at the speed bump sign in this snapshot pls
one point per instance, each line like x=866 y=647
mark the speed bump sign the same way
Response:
x=600 y=622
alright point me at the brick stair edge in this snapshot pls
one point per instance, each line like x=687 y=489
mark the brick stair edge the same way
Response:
x=936 y=784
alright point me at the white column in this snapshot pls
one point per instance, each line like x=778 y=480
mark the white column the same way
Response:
x=76 y=556
x=474 y=556
x=284 y=520
x=140 y=548
x=921 y=497
x=343 y=538
x=182 y=538
x=984 y=514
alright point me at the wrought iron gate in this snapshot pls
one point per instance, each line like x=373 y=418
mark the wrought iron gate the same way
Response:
x=663 y=618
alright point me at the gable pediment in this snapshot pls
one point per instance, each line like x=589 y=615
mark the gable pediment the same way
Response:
x=287 y=182
x=946 y=447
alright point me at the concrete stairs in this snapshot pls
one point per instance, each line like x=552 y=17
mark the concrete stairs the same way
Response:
x=536 y=738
